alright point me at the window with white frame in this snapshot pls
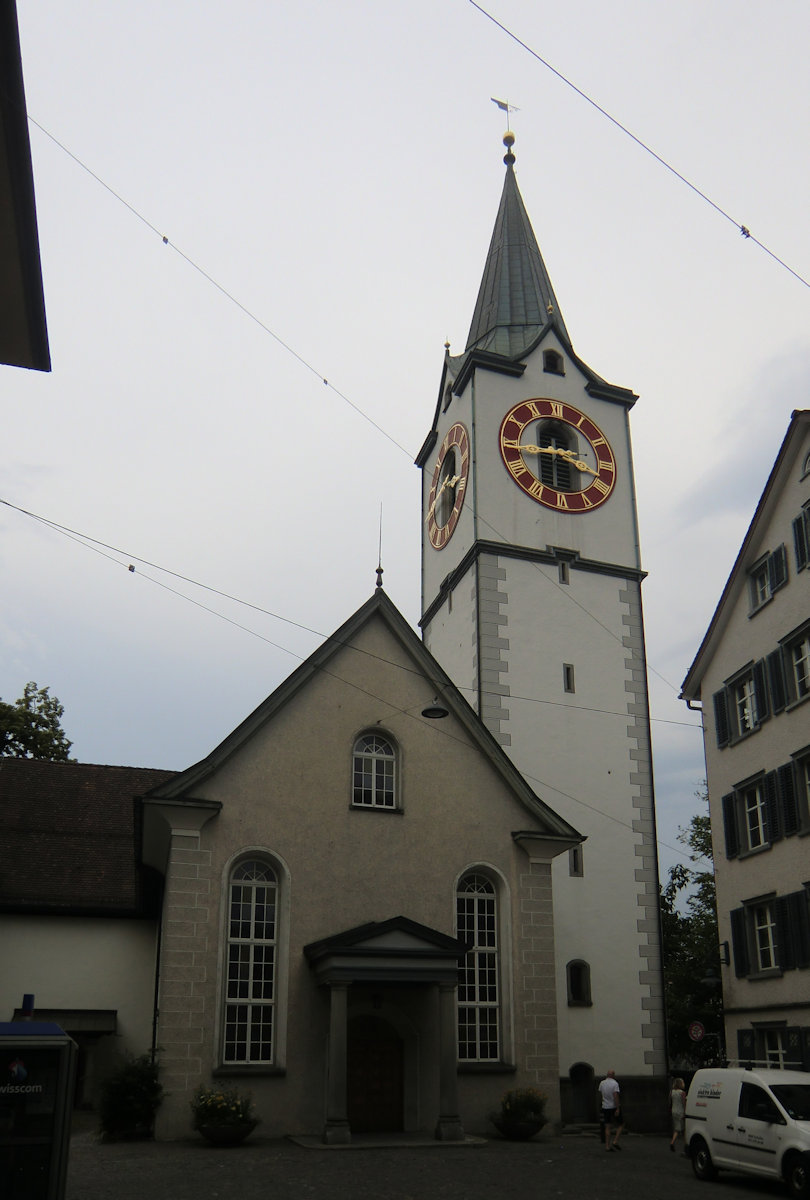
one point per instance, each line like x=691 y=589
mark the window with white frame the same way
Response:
x=745 y=704
x=774 y=1048
x=251 y=964
x=478 y=976
x=374 y=772
x=800 y=664
x=755 y=816
x=771 y=933
x=764 y=924
x=742 y=704
x=766 y=577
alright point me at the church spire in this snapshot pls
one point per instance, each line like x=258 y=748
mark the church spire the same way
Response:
x=516 y=302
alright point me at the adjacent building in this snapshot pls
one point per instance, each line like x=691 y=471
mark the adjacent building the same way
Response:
x=752 y=677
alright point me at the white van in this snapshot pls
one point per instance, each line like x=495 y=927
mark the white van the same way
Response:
x=756 y=1121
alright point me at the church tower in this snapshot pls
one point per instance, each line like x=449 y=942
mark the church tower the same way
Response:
x=531 y=600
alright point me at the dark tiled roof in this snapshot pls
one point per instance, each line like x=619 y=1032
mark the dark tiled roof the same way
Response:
x=70 y=837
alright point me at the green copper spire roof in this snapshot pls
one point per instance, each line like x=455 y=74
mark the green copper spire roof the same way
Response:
x=516 y=302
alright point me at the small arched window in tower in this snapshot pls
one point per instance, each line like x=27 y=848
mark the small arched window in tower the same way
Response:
x=578 y=975
x=553 y=467
x=374 y=772
x=553 y=362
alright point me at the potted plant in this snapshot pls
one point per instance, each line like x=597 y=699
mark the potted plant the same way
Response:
x=521 y=1115
x=222 y=1115
x=130 y=1097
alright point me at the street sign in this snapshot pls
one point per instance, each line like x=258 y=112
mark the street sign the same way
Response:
x=696 y=1031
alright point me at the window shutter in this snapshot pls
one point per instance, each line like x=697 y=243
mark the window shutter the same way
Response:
x=777 y=568
x=776 y=674
x=785 y=947
x=721 y=717
x=730 y=825
x=745 y=1047
x=774 y=825
x=798 y=908
x=800 y=542
x=788 y=803
x=761 y=691
x=739 y=943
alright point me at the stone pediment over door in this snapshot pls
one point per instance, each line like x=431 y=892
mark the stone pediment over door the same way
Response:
x=395 y=951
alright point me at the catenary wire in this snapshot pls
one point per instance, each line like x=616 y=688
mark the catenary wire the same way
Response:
x=742 y=229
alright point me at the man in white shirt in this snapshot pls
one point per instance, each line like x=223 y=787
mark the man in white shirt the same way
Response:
x=611 y=1110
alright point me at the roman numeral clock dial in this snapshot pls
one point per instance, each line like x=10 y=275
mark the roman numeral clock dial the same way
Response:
x=448 y=486
x=557 y=455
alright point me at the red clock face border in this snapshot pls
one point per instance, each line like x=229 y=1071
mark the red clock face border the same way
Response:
x=602 y=476
x=456 y=438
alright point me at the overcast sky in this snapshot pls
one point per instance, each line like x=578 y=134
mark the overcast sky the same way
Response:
x=336 y=167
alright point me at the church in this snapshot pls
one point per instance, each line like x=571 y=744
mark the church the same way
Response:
x=423 y=871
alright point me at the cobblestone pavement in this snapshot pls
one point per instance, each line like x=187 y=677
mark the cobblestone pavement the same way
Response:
x=263 y=1169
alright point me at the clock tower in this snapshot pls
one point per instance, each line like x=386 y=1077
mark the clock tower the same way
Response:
x=531 y=600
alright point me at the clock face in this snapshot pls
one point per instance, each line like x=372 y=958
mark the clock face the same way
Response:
x=448 y=486
x=557 y=455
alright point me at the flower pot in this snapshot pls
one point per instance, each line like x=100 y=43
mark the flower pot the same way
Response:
x=232 y=1134
x=518 y=1129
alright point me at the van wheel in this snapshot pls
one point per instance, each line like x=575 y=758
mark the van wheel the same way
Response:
x=702 y=1163
x=797 y=1174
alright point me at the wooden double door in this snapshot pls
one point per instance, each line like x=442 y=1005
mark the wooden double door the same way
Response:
x=374 y=1075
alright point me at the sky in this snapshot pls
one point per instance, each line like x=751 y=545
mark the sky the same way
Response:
x=326 y=178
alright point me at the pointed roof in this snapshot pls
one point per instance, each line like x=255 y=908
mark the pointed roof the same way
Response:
x=516 y=302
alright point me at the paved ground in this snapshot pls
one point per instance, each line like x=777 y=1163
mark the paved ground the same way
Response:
x=263 y=1169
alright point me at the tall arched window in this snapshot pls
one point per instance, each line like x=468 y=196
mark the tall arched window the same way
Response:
x=250 y=997
x=478 y=976
x=374 y=772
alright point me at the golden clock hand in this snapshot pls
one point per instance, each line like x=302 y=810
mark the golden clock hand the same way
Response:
x=567 y=455
x=448 y=482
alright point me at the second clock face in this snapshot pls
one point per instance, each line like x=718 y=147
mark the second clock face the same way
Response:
x=448 y=486
x=557 y=455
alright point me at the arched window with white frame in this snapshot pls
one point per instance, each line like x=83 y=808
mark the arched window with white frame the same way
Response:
x=374 y=772
x=249 y=1033
x=479 y=985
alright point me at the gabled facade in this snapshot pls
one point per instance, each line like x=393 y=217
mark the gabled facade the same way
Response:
x=531 y=600
x=334 y=871
x=752 y=677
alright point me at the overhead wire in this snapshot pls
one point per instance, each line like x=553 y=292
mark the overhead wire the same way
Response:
x=105 y=550
x=742 y=229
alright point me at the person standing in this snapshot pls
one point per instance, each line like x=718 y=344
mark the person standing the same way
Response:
x=677 y=1105
x=611 y=1110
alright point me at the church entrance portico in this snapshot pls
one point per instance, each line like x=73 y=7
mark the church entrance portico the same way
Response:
x=392 y=1055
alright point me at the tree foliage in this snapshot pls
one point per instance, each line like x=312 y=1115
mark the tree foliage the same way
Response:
x=31 y=728
x=691 y=950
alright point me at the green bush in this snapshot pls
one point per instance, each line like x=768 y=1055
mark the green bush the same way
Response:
x=130 y=1097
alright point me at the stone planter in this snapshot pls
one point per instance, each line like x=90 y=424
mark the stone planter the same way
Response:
x=227 y=1135
x=518 y=1130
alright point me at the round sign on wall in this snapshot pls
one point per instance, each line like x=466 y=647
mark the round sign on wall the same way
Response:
x=696 y=1031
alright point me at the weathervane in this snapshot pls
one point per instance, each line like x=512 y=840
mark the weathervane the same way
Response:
x=506 y=107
